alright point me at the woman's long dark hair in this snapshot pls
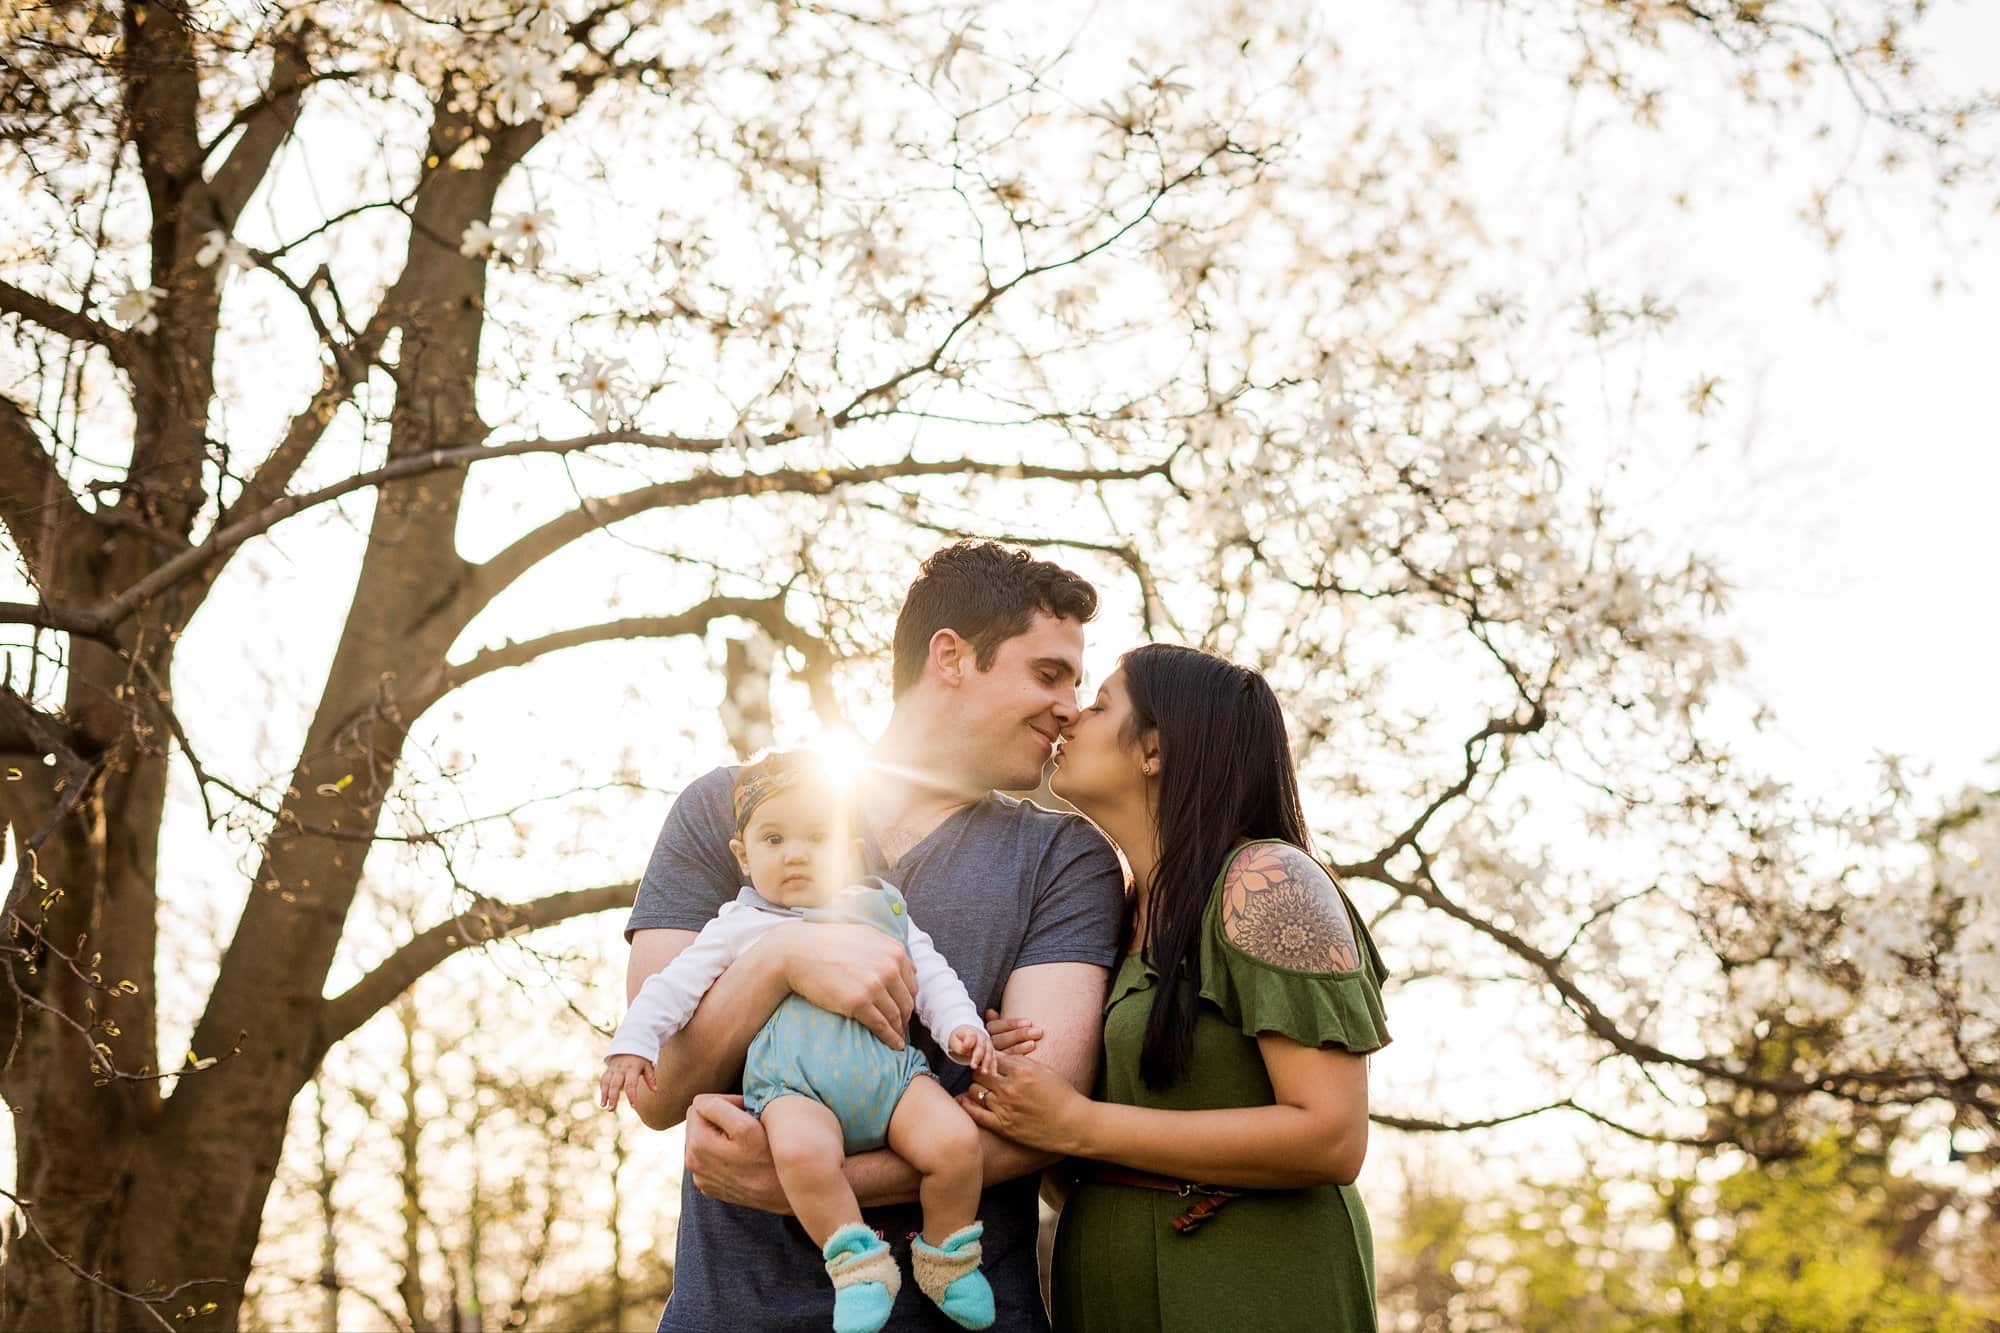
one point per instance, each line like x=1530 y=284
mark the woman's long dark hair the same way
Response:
x=1226 y=775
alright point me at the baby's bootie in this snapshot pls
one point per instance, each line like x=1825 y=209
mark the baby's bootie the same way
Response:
x=949 y=1274
x=865 y=1279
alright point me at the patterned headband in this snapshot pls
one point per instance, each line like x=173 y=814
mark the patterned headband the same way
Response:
x=765 y=779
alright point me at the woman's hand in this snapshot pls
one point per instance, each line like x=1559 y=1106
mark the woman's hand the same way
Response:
x=1026 y=1101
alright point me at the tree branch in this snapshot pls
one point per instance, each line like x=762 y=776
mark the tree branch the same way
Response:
x=267 y=123
x=1863 y=1087
x=486 y=920
x=98 y=621
x=494 y=576
x=1126 y=553
x=267 y=484
x=53 y=615
x=36 y=505
x=768 y=612
x=61 y=319
x=1413 y=1124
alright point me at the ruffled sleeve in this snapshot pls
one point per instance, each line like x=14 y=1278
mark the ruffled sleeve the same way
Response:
x=1342 y=1009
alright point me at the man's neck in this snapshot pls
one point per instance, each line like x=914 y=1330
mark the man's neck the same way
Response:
x=916 y=782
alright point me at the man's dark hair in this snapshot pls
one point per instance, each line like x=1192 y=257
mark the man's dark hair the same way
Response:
x=987 y=594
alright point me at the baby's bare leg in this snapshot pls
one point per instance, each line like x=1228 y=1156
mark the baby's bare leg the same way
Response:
x=806 y=1149
x=933 y=1133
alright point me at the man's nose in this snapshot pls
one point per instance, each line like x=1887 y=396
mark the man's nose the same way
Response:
x=1065 y=709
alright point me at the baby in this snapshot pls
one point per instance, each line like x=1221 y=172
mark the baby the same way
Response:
x=823 y=1085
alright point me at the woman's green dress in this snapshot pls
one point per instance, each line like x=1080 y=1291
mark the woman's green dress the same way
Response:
x=1296 y=1259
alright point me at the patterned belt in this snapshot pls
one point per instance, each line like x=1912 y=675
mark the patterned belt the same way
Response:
x=1208 y=1199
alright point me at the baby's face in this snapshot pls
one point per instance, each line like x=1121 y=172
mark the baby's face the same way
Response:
x=797 y=850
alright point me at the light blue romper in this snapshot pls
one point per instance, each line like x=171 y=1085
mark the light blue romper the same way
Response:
x=836 y=1061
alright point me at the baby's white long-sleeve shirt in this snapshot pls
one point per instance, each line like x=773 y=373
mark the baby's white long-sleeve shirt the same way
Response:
x=668 y=999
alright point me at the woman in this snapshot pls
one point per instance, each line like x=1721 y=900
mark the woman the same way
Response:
x=1216 y=1162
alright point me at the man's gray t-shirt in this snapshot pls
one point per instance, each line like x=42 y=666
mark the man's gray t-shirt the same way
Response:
x=998 y=885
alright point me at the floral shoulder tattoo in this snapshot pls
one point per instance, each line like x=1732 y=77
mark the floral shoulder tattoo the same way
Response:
x=1280 y=906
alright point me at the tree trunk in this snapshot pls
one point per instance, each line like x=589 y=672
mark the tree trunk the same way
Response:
x=150 y=1194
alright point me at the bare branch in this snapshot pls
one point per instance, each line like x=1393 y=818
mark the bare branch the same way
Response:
x=100 y=621
x=493 y=577
x=61 y=319
x=36 y=505
x=1413 y=1124
x=267 y=123
x=768 y=612
x=486 y=920
x=350 y=367
x=49 y=615
x=1376 y=867
x=148 y=1301
x=1863 y=1087
x=162 y=92
x=497 y=573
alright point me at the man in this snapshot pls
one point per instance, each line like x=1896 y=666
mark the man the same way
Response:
x=1022 y=902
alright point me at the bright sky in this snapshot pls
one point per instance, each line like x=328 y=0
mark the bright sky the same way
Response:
x=1849 y=482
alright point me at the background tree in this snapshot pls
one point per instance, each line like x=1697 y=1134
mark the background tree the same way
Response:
x=1829 y=1239
x=823 y=285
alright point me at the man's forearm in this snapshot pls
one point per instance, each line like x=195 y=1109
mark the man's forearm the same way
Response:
x=707 y=1054
x=881 y=1177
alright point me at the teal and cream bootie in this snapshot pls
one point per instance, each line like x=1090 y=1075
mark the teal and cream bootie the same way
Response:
x=949 y=1274
x=865 y=1279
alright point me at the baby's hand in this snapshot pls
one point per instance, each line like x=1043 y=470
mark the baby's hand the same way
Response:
x=971 y=1046
x=624 y=1074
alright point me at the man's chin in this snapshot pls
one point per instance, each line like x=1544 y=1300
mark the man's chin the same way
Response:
x=1024 y=781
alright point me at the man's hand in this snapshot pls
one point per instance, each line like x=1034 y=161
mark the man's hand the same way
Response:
x=853 y=970
x=1012 y=1036
x=728 y=1157
x=623 y=1074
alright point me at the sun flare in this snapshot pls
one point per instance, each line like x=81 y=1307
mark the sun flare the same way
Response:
x=843 y=752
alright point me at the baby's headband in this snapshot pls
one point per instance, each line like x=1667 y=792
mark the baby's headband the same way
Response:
x=766 y=778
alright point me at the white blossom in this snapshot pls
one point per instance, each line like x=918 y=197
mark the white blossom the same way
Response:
x=521 y=234
x=602 y=383
x=809 y=419
x=1339 y=417
x=514 y=236
x=134 y=307
x=232 y=254
x=470 y=155
x=870 y=256
x=526 y=78
x=956 y=44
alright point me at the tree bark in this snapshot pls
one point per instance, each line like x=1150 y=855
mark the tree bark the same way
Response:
x=147 y=1193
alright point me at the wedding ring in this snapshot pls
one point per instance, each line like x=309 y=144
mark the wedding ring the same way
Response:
x=982 y=1097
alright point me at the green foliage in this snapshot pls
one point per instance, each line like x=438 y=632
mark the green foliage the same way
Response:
x=1818 y=1243
x=1828 y=1242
